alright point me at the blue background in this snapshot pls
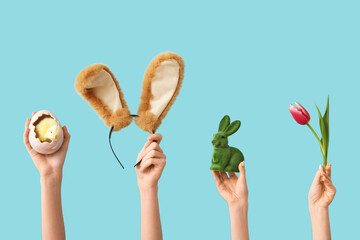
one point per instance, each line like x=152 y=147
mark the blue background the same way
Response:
x=248 y=59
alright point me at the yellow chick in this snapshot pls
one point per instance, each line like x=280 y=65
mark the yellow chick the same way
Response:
x=47 y=130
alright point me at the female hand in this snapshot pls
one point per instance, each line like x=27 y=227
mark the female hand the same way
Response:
x=153 y=163
x=322 y=191
x=50 y=164
x=321 y=194
x=235 y=192
x=232 y=188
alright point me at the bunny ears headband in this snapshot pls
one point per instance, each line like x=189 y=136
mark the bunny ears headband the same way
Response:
x=160 y=87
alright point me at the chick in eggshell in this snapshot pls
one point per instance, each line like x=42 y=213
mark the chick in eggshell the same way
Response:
x=47 y=129
x=46 y=134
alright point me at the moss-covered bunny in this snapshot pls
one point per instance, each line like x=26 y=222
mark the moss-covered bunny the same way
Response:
x=226 y=158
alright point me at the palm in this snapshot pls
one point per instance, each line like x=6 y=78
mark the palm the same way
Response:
x=322 y=191
x=47 y=164
x=228 y=189
x=153 y=163
x=321 y=195
x=151 y=176
x=231 y=188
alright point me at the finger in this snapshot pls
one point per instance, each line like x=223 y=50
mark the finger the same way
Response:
x=142 y=151
x=223 y=175
x=322 y=177
x=65 y=144
x=27 y=123
x=146 y=145
x=146 y=164
x=328 y=169
x=328 y=183
x=152 y=162
x=242 y=171
x=33 y=113
x=154 y=154
x=318 y=174
x=26 y=135
x=326 y=177
x=155 y=137
x=154 y=146
x=232 y=174
x=217 y=177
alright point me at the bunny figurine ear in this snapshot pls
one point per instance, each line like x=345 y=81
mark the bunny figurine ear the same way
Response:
x=161 y=85
x=232 y=128
x=224 y=123
x=97 y=85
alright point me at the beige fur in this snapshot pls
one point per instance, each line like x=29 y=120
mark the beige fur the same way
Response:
x=147 y=120
x=119 y=119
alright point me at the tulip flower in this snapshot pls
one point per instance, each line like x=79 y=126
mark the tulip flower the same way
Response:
x=302 y=117
x=299 y=113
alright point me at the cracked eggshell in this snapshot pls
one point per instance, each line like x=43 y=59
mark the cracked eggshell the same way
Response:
x=44 y=147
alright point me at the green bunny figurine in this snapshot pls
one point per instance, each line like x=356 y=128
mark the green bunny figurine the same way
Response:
x=226 y=158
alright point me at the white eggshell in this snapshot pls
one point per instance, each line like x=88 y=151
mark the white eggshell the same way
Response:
x=44 y=147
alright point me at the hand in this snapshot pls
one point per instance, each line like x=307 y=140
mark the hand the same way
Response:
x=153 y=163
x=322 y=191
x=232 y=188
x=321 y=194
x=50 y=164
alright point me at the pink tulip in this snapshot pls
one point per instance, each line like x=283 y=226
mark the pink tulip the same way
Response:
x=299 y=113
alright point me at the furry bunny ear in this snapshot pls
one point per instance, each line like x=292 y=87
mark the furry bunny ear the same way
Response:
x=97 y=85
x=161 y=85
x=232 y=128
x=224 y=123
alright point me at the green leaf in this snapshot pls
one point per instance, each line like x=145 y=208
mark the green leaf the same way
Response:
x=326 y=123
x=323 y=132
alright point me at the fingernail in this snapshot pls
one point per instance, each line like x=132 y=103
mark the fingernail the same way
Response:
x=320 y=166
x=243 y=163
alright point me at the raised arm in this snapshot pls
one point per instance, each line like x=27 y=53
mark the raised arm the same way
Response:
x=50 y=169
x=235 y=192
x=148 y=174
x=321 y=194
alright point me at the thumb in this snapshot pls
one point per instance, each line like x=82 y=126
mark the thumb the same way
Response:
x=317 y=177
x=242 y=171
x=66 y=136
x=66 y=140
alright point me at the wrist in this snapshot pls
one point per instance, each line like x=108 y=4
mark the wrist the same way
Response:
x=318 y=210
x=50 y=172
x=53 y=179
x=315 y=208
x=238 y=207
x=146 y=186
x=318 y=213
x=238 y=204
x=148 y=190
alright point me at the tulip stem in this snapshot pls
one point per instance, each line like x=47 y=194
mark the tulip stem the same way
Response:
x=321 y=147
x=322 y=151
